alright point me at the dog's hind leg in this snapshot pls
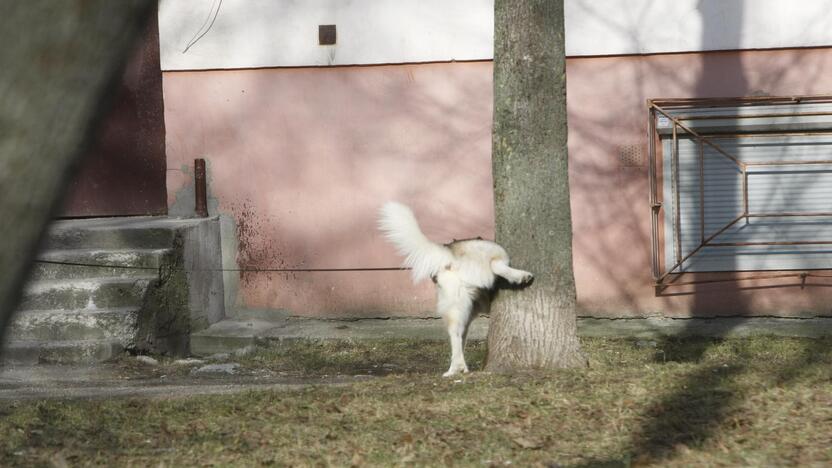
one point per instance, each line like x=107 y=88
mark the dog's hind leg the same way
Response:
x=513 y=275
x=456 y=321
x=481 y=305
x=454 y=304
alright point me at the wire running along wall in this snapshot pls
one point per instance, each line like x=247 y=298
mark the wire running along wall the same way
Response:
x=714 y=126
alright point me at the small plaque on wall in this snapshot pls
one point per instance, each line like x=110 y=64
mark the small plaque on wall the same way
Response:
x=326 y=34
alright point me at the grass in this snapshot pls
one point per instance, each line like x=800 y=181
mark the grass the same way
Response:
x=754 y=402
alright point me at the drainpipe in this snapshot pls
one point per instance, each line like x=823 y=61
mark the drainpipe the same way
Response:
x=200 y=190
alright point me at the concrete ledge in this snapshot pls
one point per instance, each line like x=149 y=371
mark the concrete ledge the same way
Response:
x=229 y=335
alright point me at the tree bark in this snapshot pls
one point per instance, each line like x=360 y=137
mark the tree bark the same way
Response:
x=60 y=61
x=532 y=328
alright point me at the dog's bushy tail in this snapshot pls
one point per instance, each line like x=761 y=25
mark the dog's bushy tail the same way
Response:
x=424 y=257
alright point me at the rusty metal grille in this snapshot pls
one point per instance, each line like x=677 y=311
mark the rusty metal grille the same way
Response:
x=715 y=132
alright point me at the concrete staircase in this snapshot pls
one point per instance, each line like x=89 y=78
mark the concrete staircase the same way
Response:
x=72 y=312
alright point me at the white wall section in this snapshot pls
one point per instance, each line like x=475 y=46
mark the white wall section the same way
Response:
x=222 y=34
x=284 y=33
x=617 y=27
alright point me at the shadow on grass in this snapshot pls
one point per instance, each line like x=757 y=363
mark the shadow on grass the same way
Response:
x=697 y=407
x=690 y=414
x=818 y=354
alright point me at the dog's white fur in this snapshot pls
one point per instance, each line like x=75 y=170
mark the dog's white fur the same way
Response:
x=464 y=272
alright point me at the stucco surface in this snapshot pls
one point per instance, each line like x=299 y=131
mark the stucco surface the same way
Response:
x=210 y=35
x=302 y=158
x=206 y=34
x=610 y=211
x=613 y=27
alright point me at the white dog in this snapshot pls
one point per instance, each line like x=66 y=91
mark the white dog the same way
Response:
x=464 y=272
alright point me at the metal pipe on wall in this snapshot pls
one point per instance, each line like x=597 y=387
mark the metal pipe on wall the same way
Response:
x=200 y=189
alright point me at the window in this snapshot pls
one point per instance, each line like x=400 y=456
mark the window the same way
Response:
x=741 y=185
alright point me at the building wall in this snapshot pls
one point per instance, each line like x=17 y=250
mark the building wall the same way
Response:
x=301 y=156
x=269 y=33
x=606 y=99
x=210 y=35
x=302 y=159
x=636 y=27
x=123 y=173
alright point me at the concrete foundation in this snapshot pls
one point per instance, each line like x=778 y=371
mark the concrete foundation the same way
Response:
x=230 y=335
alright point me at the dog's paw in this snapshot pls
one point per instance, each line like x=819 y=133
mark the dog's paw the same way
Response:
x=454 y=371
x=523 y=277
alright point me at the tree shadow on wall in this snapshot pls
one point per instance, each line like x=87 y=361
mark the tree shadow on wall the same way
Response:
x=705 y=400
x=701 y=403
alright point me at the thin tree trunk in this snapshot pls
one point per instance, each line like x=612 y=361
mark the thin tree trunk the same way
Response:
x=535 y=327
x=58 y=63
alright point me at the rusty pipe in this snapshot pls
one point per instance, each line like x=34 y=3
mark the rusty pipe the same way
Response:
x=200 y=189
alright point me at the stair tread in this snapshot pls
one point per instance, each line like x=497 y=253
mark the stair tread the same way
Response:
x=91 y=251
x=66 y=264
x=85 y=293
x=31 y=352
x=11 y=342
x=113 y=323
x=115 y=233
x=131 y=222
x=84 y=283
x=102 y=310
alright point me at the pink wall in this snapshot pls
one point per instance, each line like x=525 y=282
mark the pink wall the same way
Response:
x=611 y=224
x=302 y=158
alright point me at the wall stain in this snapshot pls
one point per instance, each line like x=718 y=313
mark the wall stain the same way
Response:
x=255 y=250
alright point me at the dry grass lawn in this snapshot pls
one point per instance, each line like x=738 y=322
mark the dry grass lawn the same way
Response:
x=755 y=402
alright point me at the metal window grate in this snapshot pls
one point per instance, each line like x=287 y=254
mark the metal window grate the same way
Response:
x=729 y=174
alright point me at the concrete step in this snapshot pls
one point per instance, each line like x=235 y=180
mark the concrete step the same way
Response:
x=137 y=263
x=111 y=233
x=88 y=293
x=119 y=324
x=22 y=352
x=75 y=311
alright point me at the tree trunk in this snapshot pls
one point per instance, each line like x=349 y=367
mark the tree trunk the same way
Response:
x=60 y=60
x=532 y=328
